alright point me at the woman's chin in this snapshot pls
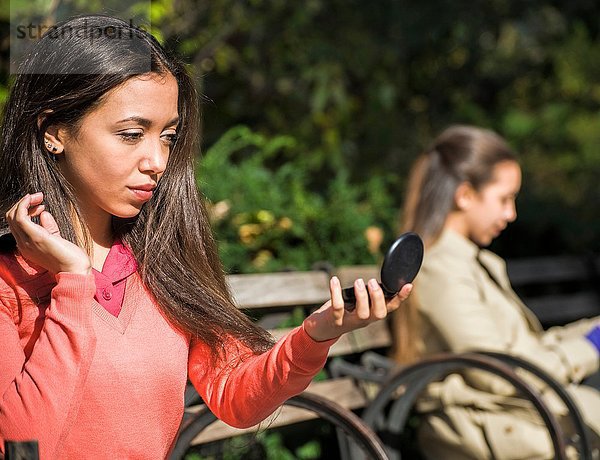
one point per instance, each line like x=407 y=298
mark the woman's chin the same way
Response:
x=127 y=213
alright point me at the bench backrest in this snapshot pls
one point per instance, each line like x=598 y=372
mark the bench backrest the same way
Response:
x=557 y=289
x=280 y=293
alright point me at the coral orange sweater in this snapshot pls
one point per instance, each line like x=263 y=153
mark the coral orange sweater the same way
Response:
x=87 y=384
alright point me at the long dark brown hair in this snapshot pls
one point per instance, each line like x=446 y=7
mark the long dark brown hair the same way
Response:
x=459 y=154
x=64 y=77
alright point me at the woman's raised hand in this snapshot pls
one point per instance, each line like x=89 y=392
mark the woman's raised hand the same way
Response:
x=332 y=320
x=42 y=244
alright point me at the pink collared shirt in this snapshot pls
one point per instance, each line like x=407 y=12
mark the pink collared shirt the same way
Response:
x=110 y=282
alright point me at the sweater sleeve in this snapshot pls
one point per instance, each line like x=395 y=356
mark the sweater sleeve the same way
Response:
x=579 y=356
x=39 y=395
x=244 y=388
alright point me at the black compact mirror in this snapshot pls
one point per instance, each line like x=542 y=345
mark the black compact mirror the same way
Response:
x=400 y=266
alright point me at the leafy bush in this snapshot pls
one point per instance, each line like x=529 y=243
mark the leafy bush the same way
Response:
x=263 y=445
x=267 y=216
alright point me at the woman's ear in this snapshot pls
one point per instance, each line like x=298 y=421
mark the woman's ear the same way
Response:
x=52 y=135
x=53 y=140
x=464 y=196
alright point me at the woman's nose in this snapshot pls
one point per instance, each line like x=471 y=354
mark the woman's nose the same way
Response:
x=155 y=159
x=511 y=212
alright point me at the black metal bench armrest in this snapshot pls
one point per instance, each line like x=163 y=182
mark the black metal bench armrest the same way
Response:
x=573 y=411
x=339 y=367
x=21 y=450
x=343 y=419
x=372 y=360
x=412 y=380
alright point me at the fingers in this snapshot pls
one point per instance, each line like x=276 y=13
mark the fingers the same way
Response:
x=25 y=208
x=337 y=302
x=371 y=304
x=370 y=300
x=34 y=211
x=378 y=306
x=48 y=222
x=405 y=292
x=20 y=215
x=397 y=300
x=362 y=299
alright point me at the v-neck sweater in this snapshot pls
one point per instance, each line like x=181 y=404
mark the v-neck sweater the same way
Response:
x=88 y=384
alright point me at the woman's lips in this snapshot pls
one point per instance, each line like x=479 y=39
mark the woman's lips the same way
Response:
x=143 y=195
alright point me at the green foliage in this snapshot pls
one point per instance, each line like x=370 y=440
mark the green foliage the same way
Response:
x=268 y=216
x=373 y=86
x=360 y=87
x=271 y=445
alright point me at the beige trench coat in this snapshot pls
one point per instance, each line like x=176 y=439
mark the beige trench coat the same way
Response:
x=462 y=308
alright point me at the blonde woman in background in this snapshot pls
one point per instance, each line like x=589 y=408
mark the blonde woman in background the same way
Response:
x=461 y=196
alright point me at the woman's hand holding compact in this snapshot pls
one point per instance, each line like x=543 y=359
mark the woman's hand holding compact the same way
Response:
x=332 y=319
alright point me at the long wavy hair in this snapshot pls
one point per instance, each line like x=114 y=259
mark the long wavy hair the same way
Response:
x=63 y=78
x=459 y=154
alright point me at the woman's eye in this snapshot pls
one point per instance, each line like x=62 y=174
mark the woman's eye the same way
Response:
x=130 y=136
x=169 y=138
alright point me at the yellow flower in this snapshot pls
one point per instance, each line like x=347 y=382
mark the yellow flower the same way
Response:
x=285 y=223
x=262 y=257
x=265 y=217
x=249 y=232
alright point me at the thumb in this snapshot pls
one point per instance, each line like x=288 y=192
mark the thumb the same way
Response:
x=48 y=222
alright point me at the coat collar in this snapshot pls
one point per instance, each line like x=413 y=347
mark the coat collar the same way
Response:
x=457 y=244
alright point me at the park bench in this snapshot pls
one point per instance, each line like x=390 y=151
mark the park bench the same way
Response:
x=355 y=362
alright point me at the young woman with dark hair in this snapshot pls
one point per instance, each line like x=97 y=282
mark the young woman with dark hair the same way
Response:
x=111 y=291
x=461 y=196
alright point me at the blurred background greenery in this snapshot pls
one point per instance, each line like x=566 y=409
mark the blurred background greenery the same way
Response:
x=313 y=112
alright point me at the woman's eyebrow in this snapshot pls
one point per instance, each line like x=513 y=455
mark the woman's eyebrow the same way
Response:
x=145 y=122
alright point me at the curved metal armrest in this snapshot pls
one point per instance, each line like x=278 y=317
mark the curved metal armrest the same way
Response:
x=574 y=413
x=21 y=450
x=339 y=367
x=343 y=419
x=372 y=360
x=191 y=396
x=412 y=380
x=373 y=367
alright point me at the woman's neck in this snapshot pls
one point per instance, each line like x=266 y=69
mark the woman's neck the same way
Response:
x=100 y=253
x=102 y=237
x=456 y=222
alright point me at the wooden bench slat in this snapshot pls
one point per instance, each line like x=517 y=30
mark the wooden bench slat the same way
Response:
x=348 y=273
x=557 y=289
x=565 y=308
x=279 y=289
x=346 y=394
x=546 y=270
x=375 y=335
